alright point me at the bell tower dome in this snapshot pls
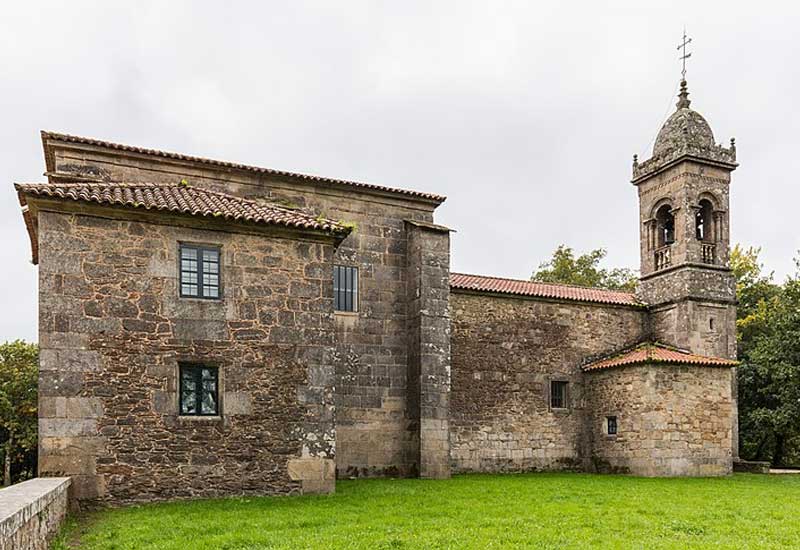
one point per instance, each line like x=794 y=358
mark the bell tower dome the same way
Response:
x=684 y=234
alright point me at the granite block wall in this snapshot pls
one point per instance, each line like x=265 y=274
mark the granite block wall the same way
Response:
x=429 y=344
x=113 y=332
x=671 y=420
x=505 y=352
x=377 y=433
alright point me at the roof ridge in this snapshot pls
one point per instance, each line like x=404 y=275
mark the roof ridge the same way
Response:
x=565 y=285
x=45 y=134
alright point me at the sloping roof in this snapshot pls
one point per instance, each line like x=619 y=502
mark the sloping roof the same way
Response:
x=438 y=199
x=176 y=198
x=654 y=352
x=480 y=283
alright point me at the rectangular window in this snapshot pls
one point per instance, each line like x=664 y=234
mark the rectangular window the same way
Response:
x=611 y=424
x=558 y=394
x=200 y=273
x=345 y=288
x=199 y=390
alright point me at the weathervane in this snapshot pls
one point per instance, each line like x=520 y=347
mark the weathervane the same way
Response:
x=685 y=55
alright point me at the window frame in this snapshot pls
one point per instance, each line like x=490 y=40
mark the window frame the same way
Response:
x=201 y=263
x=612 y=420
x=198 y=381
x=340 y=293
x=551 y=395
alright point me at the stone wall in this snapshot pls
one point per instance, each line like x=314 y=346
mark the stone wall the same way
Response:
x=705 y=328
x=376 y=431
x=31 y=513
x=113 y=332
x=672 y=420
x=505 y=352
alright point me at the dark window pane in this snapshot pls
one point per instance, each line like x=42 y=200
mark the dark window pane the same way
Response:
x=337 y=304
x=612 y=425
x=345 y=288
x=200 y=269
x=558 y=394
x=199 y=393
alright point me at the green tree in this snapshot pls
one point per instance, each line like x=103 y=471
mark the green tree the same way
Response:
x=755 y=290
x=768 y=327
x=18 y=401
x=584 y=270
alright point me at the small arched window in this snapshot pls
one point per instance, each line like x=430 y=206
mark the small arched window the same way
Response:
x=703 y=223
x=666 y=225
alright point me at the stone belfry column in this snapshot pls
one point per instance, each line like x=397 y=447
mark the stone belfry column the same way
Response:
x=685 y=245
x=428 y=294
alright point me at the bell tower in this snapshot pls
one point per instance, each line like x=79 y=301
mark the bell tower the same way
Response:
x=684 y=235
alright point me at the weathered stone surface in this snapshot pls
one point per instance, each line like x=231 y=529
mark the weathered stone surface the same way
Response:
x=428 y=325
x=109 y=373
x=672 y=420
x=377 y=436
x=506 y=350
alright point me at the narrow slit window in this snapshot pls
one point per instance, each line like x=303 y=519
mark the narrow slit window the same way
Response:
x=199 y=392
x=611 y=425
x=558 y=394
x=345 y=288
x=200 y=272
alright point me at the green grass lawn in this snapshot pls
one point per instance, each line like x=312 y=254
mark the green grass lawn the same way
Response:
x=542 y=511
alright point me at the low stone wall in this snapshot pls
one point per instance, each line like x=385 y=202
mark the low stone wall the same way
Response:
x=751 y=466
x=31 y=512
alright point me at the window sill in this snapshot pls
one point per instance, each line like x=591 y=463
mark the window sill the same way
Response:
x=199 y=418
x=559 y=410
x=346 y=313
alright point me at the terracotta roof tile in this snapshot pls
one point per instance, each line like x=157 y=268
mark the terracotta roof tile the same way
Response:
x=518 y=287
x=224 y=164
x=654 y=352
x=176 y=198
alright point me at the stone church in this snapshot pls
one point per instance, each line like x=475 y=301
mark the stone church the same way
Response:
x=209 y=328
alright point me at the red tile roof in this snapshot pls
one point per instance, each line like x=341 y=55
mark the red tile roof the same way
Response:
x=177 y=198
x=653 y=352
x=480 y=283
x=438 y=199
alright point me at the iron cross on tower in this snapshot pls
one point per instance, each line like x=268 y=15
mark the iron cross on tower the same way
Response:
x=685 y=56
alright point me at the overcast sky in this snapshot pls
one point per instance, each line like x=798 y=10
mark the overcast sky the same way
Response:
x=525 y=114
